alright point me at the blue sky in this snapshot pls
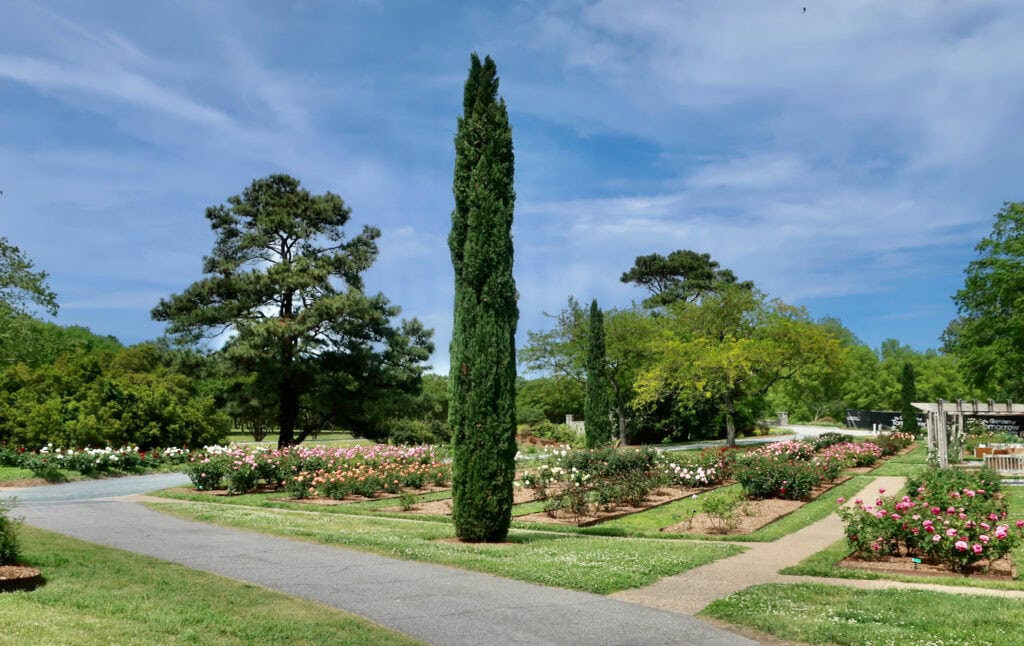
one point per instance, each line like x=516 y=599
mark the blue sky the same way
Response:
x=847 y=158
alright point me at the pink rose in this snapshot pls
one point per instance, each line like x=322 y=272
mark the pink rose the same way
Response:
x=936 y=538
x=840 y=500
x=983 y=538
x=961 y=546
x=977 y=548
x=881 y=491
x=951 y=532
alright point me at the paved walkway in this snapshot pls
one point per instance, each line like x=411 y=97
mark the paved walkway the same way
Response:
x=440 y=605
x=692 y=591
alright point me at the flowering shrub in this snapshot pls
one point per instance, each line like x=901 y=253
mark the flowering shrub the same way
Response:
x=318 y=471
x=826 y=440
x=605 y=478
x=857 y=454
x=787 y=449
x=766 y=476
x=955 y=527
x=52 y=463
x=697 y=468
x=892 y=443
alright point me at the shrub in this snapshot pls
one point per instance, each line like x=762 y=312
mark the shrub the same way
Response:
x=697 y=468
x=763 y=476
x=831 y=438
x=892 y=443
x=721 y=509
x=206 y=473
x=10 y=547
x=955 y=527
x=787 y=449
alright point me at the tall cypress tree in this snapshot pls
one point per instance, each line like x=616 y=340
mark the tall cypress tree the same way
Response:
x=908 y=393
x=597 y=404
x=482 y=410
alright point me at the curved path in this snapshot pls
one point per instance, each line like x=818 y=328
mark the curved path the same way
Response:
x=438 y=604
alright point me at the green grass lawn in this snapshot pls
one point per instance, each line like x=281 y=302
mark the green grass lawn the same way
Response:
x=7 y=474
x=324 y=439
x=98 y=595
x=590 y=563
x=909 y=464
x=823 y=614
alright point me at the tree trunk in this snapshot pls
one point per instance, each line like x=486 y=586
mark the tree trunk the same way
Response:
x=730 y=425
x=288 y=414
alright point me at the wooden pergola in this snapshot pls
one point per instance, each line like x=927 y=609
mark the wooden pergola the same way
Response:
x=938 y=421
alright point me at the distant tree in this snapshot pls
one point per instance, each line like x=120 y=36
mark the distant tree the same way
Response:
x=684 y=276
x=482 y=405
x=21 y=285
x=908 y=391
x=562 y=352
x=284 y=287
x=730 y=348
x=988 y=334
x=598 y=424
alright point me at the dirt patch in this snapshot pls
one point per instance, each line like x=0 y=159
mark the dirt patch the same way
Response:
x=660 y=497
x=751 y=515
x=1001 y=570
x=26 y=482
x=19 y=577
x=444 y=507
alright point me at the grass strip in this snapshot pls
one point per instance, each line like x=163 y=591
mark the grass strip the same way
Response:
x=99 y=595
x=8 y=474
x=823 y=614
x=648 y=523
x=592 y=564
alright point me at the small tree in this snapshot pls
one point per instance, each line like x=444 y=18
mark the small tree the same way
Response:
x=482 y=384
x=10 y=547
x=908 y=395
x=598 y=424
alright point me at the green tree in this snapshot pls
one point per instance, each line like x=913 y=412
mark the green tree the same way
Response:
x=482 y=405
x=908 y=391
x=730 y=349
x=988 y=334
x=683 y=275
x=284 y=286
x=598 y=425
x=562 y=352
x=21 y=285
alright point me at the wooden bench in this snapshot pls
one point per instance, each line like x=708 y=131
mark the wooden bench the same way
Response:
x=1006 y=464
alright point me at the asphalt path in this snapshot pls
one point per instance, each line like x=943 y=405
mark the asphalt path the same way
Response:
x=438 y=604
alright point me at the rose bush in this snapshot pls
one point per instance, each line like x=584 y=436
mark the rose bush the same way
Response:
x=958 y=528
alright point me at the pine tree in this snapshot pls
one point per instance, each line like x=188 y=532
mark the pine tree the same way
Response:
x=597 y=406
x=907 y=395
x=483 y=356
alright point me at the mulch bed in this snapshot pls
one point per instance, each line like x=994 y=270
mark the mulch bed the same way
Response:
x=660 y=497
x=751 y=515
x=26 y=482
x=1001 y=570
x=19 y=577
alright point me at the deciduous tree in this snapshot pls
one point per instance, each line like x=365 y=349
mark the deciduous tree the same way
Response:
x=988 y=334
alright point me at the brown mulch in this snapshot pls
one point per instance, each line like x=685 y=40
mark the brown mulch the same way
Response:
x=751 y=514
x=1000 y=570
x=19 y=577
x=660 y=497
x=26 y=482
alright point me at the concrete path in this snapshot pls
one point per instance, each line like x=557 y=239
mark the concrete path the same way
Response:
x=437 y=604
x=692 y=591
